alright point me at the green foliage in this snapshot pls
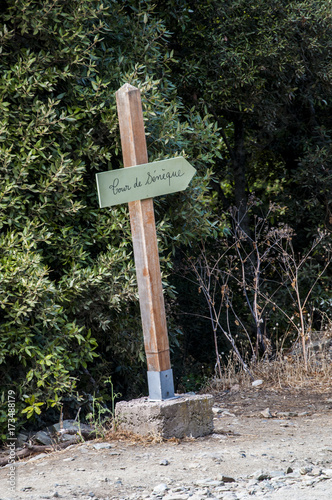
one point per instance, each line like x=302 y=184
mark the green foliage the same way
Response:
x=69 y=314
x=34 y=407
x=102 y=418
x=263 y=69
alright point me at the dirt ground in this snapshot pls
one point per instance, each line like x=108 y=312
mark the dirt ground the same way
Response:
x=255 y=429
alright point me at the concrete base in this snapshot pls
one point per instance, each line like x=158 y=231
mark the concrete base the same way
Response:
x=186 y=415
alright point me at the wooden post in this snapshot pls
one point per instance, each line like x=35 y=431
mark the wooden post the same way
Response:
x=145 y=245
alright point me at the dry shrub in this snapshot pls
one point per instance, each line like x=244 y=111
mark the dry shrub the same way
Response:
x=285 y=370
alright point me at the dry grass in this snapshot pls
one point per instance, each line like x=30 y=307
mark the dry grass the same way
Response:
x=132 y=438
x=286 y=370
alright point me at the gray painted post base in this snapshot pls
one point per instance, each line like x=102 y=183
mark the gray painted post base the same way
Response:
x=161 y=385
x=185 y=415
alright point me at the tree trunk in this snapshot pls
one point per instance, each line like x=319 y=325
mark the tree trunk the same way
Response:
x=239 y=171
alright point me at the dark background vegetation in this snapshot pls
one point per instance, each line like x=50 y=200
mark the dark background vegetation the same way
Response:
x=240 y=88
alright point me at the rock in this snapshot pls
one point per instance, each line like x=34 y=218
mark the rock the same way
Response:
x=227 y=413
x=199 y=495
x=37 y=457
x=277 y=474
x=67 y=437
x=160 y=489
x=22 y=438
x=315 y=472
x=305 y=470
x=208 y=482
x=227 y=479
x=260 y=475
x=309 y=482
x=176 y=496
x=283 y=414
x=103 y=446
x=164 y=462
x=266 y=413
x=256 y=383
x=43 y=437
x=218 y=436
x=71 y=426
x=179 y=489
x=294 y=475
x=218 y=457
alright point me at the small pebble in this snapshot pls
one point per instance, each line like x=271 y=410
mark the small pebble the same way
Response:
x=103 y=446
x=256 y=383
x=266 y=413
x=160 y=488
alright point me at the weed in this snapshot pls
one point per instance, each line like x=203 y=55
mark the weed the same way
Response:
x=286 y=370
x=101 y=417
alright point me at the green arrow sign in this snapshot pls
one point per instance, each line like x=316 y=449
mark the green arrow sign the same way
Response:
x=143 y=181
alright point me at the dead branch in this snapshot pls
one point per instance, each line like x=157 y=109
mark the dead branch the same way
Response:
x=31 y=449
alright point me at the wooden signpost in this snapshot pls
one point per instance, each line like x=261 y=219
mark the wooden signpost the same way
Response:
x=137 y=186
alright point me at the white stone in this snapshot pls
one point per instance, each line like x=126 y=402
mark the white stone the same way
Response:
x=227 y=413
x=208 y=482
x=37 y=457
x=176 y=496
x=266 y=413
x=103 y=446
x=160 y=488
x=256 y=383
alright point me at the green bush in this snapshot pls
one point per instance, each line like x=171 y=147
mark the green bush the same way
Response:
x=69 y=316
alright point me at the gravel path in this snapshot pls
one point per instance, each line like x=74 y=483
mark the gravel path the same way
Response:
x=281 y=456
